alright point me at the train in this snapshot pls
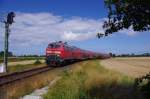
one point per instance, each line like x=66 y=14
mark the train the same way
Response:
x=60 y=53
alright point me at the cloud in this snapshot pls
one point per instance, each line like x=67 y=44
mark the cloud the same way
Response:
x=36 y=29
x=39 y=28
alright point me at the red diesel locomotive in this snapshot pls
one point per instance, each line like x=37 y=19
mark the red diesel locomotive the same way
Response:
x=58 y=53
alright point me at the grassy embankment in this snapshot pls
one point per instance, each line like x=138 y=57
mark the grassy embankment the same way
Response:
x=90 y=80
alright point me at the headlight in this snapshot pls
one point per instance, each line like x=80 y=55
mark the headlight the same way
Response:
x=48 y=51
x=53 y=52
x=57 y=52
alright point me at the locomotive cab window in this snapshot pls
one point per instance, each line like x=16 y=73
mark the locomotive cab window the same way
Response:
x=54 y=46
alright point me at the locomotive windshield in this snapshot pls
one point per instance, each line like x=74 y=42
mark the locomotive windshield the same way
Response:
x=54 y=45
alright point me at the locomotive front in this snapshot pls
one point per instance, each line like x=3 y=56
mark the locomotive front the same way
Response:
x=54 y=54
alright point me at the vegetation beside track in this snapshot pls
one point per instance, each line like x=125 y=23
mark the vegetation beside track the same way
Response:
x=90 y=80
x=22 y=67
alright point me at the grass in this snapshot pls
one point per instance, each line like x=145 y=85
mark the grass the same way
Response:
x=90 y=80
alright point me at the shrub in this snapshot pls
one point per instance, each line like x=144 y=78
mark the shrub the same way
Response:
x=37 y=62
x=143 y=85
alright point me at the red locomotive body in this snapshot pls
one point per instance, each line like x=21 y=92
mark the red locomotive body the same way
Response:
x=58 y=53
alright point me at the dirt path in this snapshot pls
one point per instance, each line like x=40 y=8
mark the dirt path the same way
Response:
x=133 y=67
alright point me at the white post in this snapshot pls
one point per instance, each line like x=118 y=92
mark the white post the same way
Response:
x=2 y=68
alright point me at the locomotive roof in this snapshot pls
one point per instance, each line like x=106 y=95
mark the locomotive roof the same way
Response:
x=59 y=42
x=72 y=47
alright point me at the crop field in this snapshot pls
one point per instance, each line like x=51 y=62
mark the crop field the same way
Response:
x=24 y=62
x=16 y=59
x=131 y=66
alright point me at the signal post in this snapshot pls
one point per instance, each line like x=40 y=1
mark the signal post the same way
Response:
x=7 y=22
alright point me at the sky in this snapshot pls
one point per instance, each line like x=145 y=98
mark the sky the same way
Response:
x=39 y=22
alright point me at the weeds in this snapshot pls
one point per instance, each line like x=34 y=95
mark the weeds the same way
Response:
x=68 y=87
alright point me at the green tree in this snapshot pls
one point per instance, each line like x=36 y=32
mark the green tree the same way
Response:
x=124 y=14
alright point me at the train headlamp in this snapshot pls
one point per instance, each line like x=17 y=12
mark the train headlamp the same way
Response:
x=53 y=52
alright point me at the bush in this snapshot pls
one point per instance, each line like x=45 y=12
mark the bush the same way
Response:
x=143 y=85
x=37 y=62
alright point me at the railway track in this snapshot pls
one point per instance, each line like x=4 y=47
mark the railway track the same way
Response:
x=10 y=78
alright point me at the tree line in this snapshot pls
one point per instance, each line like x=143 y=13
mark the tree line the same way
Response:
x=131 y=55
x=10 y=54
